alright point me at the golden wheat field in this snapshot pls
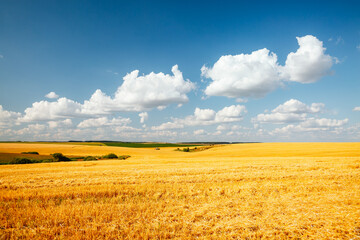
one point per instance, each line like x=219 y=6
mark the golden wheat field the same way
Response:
x=240 y=191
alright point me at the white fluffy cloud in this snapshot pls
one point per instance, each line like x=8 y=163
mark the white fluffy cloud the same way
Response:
x=202 y=117
x=279 y=118
x=204 y=114
x=57 y=124
x=32 y=129
x=199 y=132
x=52 y=95
x=153 y=90
x=310 y=125
x=167 y=125
x=323 y=123
x=295 y=106
x=309 y=63
x=103 y=121
x=356 y=109
x=232 y=113
x=137 y=93
x=244 y=75
x=256 y=74
x=303 y=121
x=7 y=118
x=143 y=117
x=44 y=110
x=291 y=111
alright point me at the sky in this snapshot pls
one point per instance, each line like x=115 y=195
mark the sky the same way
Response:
x=180 y=71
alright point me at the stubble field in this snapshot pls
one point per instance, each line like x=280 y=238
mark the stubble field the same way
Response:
x=253 y=191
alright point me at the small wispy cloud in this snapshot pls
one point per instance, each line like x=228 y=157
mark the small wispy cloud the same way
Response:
x=52 y=95
x=337 y=40
x=1 y=56
x=358 y=47
x=112 y=72
x=356 y=109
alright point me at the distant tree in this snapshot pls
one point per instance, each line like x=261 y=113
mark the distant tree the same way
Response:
x=21 y=161
x=30 y=153
x=123 y=157
x=110 y=156
x=90 y=158
x=59 y=157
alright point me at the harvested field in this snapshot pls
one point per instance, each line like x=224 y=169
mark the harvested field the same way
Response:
x=259 y=190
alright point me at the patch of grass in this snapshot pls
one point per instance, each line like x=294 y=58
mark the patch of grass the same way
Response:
x=123 y=157
x=62 y=143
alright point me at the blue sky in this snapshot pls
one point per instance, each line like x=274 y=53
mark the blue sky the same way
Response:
x=204 y=70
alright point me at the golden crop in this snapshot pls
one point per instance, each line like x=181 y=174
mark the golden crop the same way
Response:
x=254 y=191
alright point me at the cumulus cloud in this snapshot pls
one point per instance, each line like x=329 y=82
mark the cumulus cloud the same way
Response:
x=295 y=106
x=301 y=119
x=309 y=63
x=199 y=132
x=143 y=117
x=52 y=95
x=256 y=74
x=204 y=114
x=323 y=123
x=167 y=125
x=244 y=75
x=32 y=129
x=137 y=93
x=356 y=109
x=224 y=127
x=103 y=121
x=280 y=118
x=232 y=113
x=310 y=125
x=121 y=129
x=44 y=110
x=291 y=111
x=221 y=128
x=7 y=118
x=202 y=117
x=154 y=89
x=57 y=124
x=98 y=104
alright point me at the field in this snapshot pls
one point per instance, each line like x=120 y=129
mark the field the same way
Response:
x=240 y=191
